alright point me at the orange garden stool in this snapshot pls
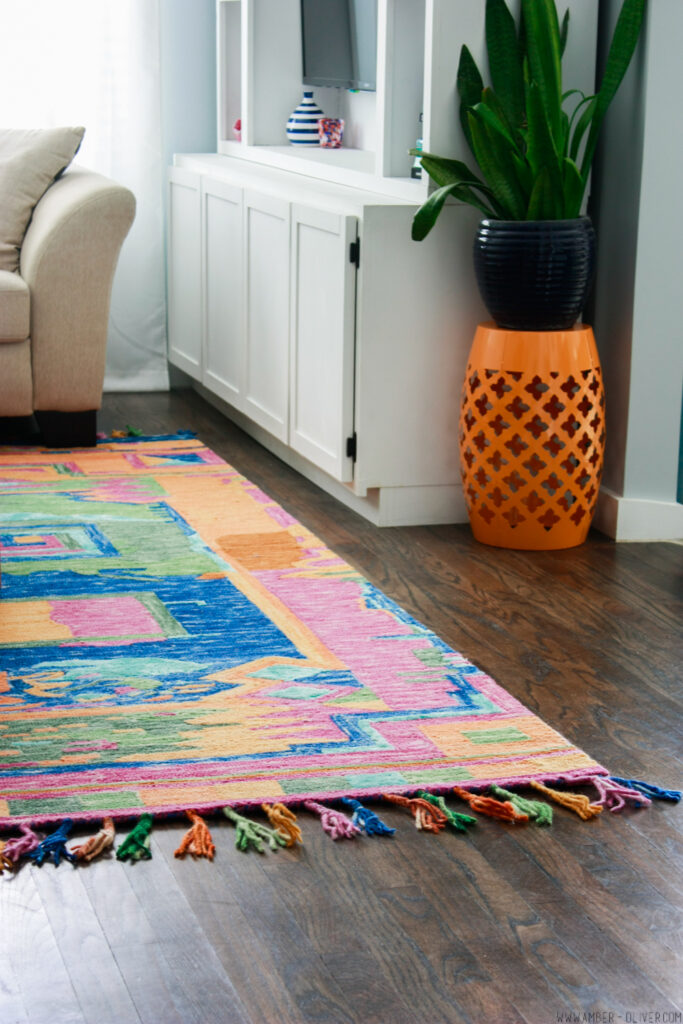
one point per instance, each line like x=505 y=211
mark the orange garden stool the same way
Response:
x=532 y=436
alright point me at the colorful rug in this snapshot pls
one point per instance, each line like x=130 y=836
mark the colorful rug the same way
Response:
x=172 y=639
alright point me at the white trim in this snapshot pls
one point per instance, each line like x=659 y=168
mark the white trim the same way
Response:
x=637 y=519
x=383 y=506
x=142 y=380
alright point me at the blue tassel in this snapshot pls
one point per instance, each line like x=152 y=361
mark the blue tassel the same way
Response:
x=367 y=820
x=654 y=792
x=54 y=846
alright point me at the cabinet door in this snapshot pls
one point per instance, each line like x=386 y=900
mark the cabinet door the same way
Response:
x=323 y=338
x=266 y=300
x=184 y=272
x=223 y=290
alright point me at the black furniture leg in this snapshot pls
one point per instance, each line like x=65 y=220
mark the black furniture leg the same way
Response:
x=68 y=429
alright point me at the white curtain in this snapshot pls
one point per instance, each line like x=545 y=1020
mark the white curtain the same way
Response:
x=97 y=63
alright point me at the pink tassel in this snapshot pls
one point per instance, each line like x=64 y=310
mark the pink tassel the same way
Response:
x=336 y=824
x=614 y=796
x=18 y=847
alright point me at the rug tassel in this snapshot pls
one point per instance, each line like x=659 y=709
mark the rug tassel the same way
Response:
x=253 y=833
x=428 y=818
x=336 y=824
x=93 y=846
x=283 y=821
x=460 y=822
x=654 y=792
x=197 y=840
x=614 y=796
x=535 y=810
x=366 y=819
x=136 y=845
x=493 y=808
x=19 y=846
x=577 y=802
x=54 y=846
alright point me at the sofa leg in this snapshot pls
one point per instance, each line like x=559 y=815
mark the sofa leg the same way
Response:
x=68 y=429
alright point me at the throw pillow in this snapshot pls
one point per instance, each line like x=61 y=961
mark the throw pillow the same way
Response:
x=30 y=160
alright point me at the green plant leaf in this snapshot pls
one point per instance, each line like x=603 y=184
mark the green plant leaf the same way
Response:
x=426 y=216
x=543 y=202
x=581 y=126
x=572 y=187
x=564 y=32
x=470 y=86
x=491 y=111
x=445 y=171
x=624 y=41
x=543 y=50
x=541 y=150
x=505 y=64
x=494 y=156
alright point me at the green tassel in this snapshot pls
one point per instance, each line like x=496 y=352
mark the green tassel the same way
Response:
x=253 y=833
x=536 y=810
x=459 y=821
x=136 y=845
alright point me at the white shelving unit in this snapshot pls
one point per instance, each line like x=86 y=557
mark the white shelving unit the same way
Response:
x=349 y=369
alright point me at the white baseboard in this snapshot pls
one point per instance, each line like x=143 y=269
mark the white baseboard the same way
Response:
x=637 y=519
x=144 y=380
x=382 y=506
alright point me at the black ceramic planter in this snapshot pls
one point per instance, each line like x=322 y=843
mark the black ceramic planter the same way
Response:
x=535 y=275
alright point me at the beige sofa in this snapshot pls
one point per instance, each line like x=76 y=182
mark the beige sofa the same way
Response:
x=54 y=311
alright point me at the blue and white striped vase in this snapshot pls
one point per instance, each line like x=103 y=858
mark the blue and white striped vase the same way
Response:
x=302 y=127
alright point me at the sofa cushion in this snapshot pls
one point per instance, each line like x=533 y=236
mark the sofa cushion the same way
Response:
x=15 y=307
x=30 y=160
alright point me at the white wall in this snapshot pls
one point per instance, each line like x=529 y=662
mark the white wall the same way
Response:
x=638 y=213
x=188 y=77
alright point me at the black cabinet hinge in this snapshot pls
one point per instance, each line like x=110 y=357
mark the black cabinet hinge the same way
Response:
x=351 y=447
x=354 y=253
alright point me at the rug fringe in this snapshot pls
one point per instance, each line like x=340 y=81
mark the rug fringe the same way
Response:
x=429 y=810
x=428 y=817
x=535 y=810
x=654 y=792
x=93 y=846
x=53 y=846
x=197 y=840
x=577 y=802
x=252 y=834
x=490 y=807
x=336 y=824
x=283 y=821
x=460 y=822
x=366 y=820
x=136 y=845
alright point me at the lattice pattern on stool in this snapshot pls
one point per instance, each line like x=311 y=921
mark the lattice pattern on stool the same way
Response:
x=532 y=447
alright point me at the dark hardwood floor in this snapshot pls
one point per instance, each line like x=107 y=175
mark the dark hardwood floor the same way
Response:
x=501 y=926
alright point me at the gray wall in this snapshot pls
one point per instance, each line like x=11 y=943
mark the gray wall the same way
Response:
x=638 y=213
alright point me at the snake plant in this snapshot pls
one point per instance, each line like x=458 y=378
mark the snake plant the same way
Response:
x=533 y=143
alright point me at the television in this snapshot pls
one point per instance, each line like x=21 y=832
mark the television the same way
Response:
x=339 y=43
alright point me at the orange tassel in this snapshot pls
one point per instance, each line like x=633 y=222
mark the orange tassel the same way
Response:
x=284 y=822
x=504 y=811
x=577 y=802
x=197 y=840
x=5 y=863
x=94 y=845
x=428 y=817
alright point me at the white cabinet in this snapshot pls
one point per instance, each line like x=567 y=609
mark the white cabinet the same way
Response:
x=184 y=272
x=323 y=290
x=223 y=300
x=266 y=299
x=262 y=310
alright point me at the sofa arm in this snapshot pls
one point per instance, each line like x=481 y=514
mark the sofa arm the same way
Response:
x=68 y=258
